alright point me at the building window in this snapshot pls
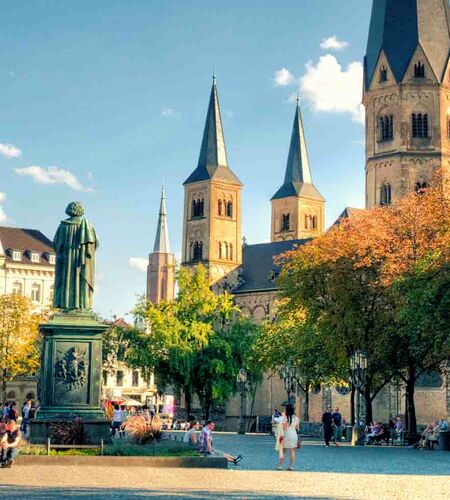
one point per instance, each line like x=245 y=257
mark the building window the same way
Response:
x=419 y=125
x=35 y=257
x=17 y=288
x=51 y=259
x=383 y=74
x=105 y=377
x=420 y=187
x=285 y=222
x=220 y=207
x=385 y=194
x=119 y=378
x=448 y=128
x=198 y=208
x=36 y=293
x=16 y=255
x=419 y=70
x=220 y=249
x=385 y=128
x=230 y=251
x=135 y=379
x=306 y=221
x=11 y=395
x=197 y=253
x=229 y=209
x=314 y=221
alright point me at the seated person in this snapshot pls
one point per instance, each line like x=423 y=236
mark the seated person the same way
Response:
x=205 y=444
x=9 y=444
x=190 y=436
x=374 y=430
x=433 y=436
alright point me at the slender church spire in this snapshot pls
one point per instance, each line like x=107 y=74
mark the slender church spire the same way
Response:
x=162 y=235
x=212 y=161
x=297 y=179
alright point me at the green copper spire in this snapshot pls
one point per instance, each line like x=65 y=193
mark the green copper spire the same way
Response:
x=162 y=235
x=212 y=162
x=297 y=179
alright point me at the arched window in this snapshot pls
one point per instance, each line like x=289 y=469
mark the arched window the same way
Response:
x=230 y=253
x=419 y=125
x=193 y=208
x=197 y=251
x=10 y=395
x=420 y=187
x=226 y=251
x=385 y=128
x=419 y=70
x=285 y=222
x=307 y=221
x=198 y=207
x=385 y=194
x=220 y=250
x=383 y=74
x=314 y=222
x=230 y=209
x=220 y=207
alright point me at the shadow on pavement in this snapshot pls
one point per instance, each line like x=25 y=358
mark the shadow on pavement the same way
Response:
x=44 y=493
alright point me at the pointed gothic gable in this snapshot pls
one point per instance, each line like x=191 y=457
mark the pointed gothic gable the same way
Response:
x=383 y=74
x=212 y=162
x=399 y=26
x=420 y=60
x=297 y=179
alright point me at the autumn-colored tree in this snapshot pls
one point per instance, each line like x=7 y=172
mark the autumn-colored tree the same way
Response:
x=353 y=284
x=19 y=339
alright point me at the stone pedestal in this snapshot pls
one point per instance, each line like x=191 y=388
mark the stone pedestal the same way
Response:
x=70 y=379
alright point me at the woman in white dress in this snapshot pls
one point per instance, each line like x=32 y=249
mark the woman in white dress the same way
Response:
x=290 y=440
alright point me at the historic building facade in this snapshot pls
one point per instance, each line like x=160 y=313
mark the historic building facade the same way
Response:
x=406 y=96
x=27 y=267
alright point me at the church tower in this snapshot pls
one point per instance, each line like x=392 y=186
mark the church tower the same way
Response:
x=212 y=204
x=407 y=97
x=161 y=263
x=298 y=209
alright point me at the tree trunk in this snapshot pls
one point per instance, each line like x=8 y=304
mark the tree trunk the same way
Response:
x=369 y=410
x=411 y=422
x=352 y=406
x=188 y=401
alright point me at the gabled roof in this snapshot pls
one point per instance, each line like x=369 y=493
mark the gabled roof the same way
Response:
x=297 y=179
x=399 y=26
x=212 y=162
x=25 y=241
x=258 y=270
x=347 y=213
x=162 y=234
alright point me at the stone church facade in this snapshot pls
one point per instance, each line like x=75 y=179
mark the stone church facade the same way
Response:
x=407 y=98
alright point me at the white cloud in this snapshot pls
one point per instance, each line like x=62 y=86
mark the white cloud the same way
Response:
x=138 y=263
x=283 y=77
x=167 y=112
x=52 y=175
x=3 y=217
x=332 y=43
x=9 y=151
x=332 y=89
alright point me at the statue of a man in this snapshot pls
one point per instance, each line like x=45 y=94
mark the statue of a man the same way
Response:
x=75 y=243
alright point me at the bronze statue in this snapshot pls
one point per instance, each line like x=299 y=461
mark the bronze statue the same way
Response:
x=75 y=243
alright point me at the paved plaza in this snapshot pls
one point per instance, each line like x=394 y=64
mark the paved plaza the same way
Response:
x=321 y=473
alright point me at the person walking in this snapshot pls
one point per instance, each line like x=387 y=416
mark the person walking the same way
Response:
x=337 y=426
x=327 y=423
x=26 y=410
x=291 y=441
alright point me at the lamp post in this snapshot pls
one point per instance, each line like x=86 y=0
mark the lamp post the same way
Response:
x=288 y=374
x=241 y=380
x=445 y=367
x=358 y=368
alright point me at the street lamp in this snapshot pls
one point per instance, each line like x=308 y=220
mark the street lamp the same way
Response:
x=445 y=367
x=288 y=374
x=241 y=380
x=358 y=368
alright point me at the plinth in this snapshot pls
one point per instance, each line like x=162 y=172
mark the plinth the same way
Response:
x=70 y=380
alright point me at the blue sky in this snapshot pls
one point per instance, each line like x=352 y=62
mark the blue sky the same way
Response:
x=113 y=95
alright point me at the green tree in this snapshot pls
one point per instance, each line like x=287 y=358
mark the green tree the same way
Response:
x=19 y=339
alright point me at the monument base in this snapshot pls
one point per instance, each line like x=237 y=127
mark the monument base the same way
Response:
x=95 y=429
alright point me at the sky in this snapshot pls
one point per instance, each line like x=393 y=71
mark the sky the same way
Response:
x=104 y=101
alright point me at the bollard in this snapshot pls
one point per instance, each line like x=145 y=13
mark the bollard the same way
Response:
x=48 y=446
x=101 y=447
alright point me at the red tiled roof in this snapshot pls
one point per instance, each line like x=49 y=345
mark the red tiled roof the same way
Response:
x=26 y=241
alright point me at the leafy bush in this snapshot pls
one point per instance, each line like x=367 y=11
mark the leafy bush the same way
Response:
x=68 y=431
x=143 y=431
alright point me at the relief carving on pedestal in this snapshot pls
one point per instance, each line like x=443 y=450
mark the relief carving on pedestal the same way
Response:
x=71 y=368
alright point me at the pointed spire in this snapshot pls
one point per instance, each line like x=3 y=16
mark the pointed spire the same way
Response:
x=212 y=161
x=162 y=236
x=297 y=179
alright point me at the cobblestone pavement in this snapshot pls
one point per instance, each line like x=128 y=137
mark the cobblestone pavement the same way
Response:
x=336 y=473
